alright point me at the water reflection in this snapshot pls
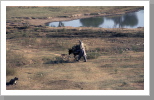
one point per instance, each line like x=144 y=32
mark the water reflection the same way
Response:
x=130 y=20
x=92 y=22
x=61 y=24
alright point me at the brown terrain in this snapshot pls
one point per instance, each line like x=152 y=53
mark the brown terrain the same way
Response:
x=34 y=51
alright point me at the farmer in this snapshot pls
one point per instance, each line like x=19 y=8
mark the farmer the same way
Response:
x=82 y=51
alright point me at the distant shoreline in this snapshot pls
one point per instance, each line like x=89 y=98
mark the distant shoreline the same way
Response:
x=46 y=20
x=89 y=16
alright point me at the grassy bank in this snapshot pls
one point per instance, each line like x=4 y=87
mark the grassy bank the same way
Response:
x=40 y=15
x=36 y=11
x=34 y=53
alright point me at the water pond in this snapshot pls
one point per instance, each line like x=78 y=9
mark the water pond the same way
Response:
x=129 y=20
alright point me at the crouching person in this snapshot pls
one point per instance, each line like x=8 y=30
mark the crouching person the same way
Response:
x=82 y=52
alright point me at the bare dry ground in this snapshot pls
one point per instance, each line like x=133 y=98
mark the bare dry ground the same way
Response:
x=115 y=57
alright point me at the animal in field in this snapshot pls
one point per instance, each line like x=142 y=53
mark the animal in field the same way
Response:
x=74 y=50
x=79 y=50
x=12 y=81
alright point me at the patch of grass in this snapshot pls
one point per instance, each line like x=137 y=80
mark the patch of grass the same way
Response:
x=107 y=66
x=55 y=60
x=10 y=71
x=116 y=71
x=117 y=49
x=46 y=60
x=139 y=81
x=39 y=75
x=50 y=11
x=140 y=34
x=138 y=48
x=48 y=43
x=110 y=50
x=93 y=55
x=14 y=59
x=62 y=45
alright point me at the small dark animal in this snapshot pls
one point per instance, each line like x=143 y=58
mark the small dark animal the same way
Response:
x=74 y=50
x=12 y=81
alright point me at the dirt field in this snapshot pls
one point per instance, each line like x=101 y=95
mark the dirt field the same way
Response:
x=115 y=56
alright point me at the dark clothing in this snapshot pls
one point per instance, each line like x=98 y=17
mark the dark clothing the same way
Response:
x=82 y=54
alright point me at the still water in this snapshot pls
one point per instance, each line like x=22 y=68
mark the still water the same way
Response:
x=129 y=20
